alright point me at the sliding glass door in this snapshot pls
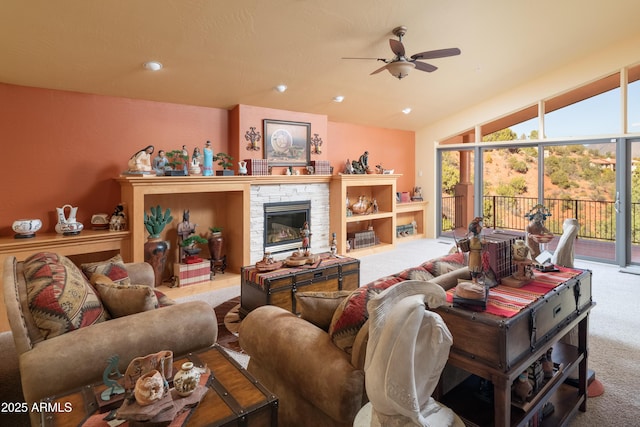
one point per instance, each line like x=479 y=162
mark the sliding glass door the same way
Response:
x=596 y=182
x=632 y=208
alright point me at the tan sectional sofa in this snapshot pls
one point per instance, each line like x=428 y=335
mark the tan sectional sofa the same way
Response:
x=318 y=374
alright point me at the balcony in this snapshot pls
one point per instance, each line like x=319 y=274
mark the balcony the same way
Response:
x=597 y=219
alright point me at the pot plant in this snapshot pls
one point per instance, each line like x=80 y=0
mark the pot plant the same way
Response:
x=189 y=245
x=155 y=248
x=215 y=242
x=178 y=163
x=224 y=161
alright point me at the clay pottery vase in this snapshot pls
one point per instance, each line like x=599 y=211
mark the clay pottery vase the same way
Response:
x=149 y=388
x=186 y=379
x=26 y=228
x=215 y=242
x=155 y=253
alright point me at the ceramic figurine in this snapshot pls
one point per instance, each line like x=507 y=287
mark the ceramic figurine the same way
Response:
x=306 y=238
x=118 y=221
x=140 y=162
x=242 y=168
x=160 y=163
x=207 y=167
x=475 y=248
x=334 y=245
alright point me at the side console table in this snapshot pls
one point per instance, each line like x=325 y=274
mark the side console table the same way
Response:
x=279 y=287
x=499 y=349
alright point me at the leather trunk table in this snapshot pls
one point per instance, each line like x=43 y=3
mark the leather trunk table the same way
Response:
x=235 y=398
x=279 y=287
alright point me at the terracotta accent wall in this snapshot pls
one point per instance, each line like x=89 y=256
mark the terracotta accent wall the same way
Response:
x=392 y=148
x=66 y=148
x=243 y=117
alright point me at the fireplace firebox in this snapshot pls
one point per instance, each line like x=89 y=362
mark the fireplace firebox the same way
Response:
x=283 y=222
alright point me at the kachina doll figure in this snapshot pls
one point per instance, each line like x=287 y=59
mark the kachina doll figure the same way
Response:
x=207 y=169
x=475 y=246
x=306 y=238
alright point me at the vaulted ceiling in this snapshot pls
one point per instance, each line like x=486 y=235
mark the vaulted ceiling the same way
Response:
x=220 y=53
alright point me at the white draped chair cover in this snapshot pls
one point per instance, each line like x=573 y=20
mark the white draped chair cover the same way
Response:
x=407 y=350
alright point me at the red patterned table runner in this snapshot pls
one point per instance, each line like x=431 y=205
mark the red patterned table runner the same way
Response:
x=506 y=301
x=253 y=275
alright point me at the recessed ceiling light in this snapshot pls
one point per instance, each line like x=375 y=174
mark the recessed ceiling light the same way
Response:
x=281 y=88
x=406 y=110
x=338 y=98
x=153 y=65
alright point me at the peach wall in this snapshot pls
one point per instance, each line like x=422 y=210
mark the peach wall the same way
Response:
x=246 y=116
x=66 y=148
x=392 y=148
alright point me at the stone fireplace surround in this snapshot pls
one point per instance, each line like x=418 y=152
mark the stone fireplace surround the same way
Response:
x=317 y=193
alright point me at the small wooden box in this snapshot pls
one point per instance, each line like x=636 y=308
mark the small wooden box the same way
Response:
x=280 y=286
x=192 y=274
x=235 y=398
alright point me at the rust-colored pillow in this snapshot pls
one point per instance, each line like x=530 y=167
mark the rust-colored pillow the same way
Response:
x=318 y=307
x=121 y=300
x=352 y=313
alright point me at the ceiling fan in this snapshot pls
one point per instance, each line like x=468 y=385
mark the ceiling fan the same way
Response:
x=399 y=66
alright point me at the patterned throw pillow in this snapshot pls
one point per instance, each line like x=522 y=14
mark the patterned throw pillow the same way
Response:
x=123 y=300
x=59 y=296
x=113 y=268
x=352 y=313
x=446 y=263
x=318 y=307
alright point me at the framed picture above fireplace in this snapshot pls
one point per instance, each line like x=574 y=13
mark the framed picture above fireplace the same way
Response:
x=286 y=143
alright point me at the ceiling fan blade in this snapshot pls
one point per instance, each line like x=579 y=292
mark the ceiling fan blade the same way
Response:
x=440 y=53
x=423 y=66
x=376 y=59
x=384 y=67
x=397 y=47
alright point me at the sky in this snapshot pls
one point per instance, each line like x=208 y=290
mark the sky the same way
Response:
x=595 y=116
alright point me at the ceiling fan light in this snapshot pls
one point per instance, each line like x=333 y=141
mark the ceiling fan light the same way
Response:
x=400 y=69
x=338 y=98
x=281 y=88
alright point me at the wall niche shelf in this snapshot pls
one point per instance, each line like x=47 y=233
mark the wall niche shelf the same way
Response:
x=409 y=212
x=382 y=188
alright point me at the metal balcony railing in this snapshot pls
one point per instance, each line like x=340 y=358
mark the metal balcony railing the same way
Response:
x=597 y=218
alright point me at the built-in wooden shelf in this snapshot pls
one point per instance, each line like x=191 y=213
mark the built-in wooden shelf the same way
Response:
x=89 y=245
x=382 y=188
x=408 y=212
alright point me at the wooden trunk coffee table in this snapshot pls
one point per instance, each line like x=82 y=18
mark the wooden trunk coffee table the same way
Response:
x=235 y=398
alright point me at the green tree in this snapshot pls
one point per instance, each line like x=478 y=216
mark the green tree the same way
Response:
x=501 y=135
